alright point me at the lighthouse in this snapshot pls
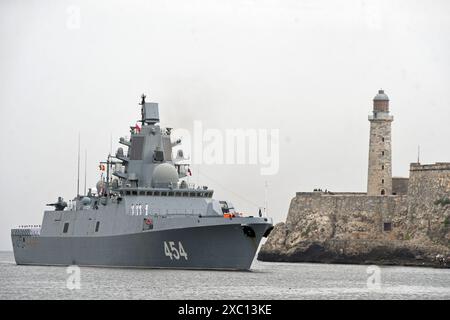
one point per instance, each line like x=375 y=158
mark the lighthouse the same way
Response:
x=379 y=182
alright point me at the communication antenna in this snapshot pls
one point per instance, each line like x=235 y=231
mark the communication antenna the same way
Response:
x=266 y=186
x=85 y=170
x=78 y=173
x=418 y=153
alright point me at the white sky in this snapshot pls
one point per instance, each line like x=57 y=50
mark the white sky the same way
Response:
x=309 y=68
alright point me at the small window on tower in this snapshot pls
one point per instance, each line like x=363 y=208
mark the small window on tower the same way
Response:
x=382 y=153
x=382 y=167
x=383 y=192
x=382 y=181
x=382 y=139
x=387 y=226
x=97 y=225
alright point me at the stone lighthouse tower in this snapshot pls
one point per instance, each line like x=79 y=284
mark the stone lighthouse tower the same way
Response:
x=379 y=180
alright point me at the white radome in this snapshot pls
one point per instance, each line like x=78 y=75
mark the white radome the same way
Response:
x=164 y=176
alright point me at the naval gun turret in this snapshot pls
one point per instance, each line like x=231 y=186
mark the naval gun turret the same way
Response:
x=59 y=205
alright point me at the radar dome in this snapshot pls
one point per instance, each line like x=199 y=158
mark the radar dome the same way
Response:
x=164 y=176
x=86 y=201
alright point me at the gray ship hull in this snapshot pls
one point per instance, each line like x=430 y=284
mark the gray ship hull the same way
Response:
x=222 y=246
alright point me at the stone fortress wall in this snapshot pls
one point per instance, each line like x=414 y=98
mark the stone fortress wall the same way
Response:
x=429 y=201
x=411 y=229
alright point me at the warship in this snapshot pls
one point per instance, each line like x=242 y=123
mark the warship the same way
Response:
x=144 y=214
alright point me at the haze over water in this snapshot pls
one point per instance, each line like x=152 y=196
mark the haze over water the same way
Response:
x=265 y=281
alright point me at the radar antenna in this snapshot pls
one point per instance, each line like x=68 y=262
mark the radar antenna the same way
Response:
x=142 y=104
x=143 y=96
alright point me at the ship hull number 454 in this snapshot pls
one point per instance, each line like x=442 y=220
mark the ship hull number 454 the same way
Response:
x=175 y=251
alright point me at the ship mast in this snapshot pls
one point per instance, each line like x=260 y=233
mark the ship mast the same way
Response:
x=78 y=172
x=85 y=170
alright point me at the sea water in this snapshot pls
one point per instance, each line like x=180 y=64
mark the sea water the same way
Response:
x=266 y=280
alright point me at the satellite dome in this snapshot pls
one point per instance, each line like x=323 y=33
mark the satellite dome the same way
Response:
x=381 y=96
x=164 y=176
x=86 y=201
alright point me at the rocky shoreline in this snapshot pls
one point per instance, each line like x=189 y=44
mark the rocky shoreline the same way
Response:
x=370 y=252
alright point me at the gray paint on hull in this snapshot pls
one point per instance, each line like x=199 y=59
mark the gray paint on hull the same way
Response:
x=223 y=246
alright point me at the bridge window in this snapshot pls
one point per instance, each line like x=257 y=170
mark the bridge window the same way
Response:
x=134 y=193
x=149 y=193
x=164 y=194
x=177 y=194
x=142 y=193
x=171 y=193
x=97 y=225
x=156 y=193
x=66 y=227
x=185 y=194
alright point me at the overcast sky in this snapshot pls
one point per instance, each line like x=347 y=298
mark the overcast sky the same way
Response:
x=308 y=68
